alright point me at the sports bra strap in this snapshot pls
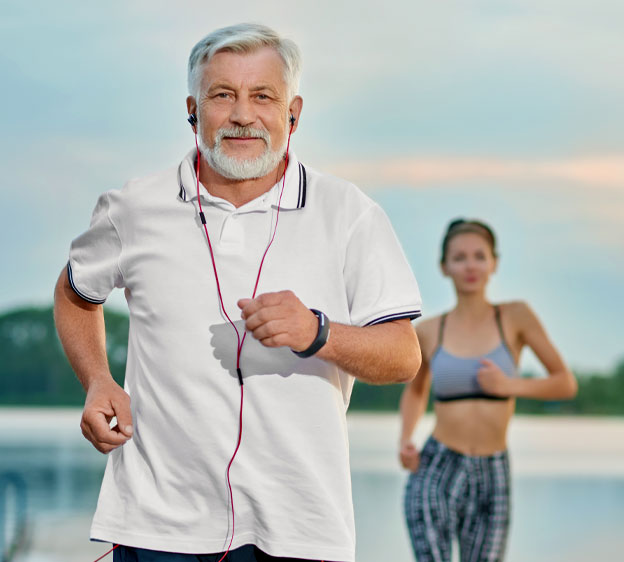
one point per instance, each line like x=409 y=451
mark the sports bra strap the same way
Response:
x=441 y=330
x=499 y=323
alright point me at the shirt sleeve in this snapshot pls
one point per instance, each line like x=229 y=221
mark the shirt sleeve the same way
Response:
x=380 y=284
x=93 y=266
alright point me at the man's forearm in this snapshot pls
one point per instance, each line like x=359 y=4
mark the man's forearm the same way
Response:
x=381 y=354
x=80 y=326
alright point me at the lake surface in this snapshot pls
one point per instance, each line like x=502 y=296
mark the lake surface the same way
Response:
x=568 y=495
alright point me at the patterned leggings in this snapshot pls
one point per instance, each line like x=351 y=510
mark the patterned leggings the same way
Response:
x=458 y=496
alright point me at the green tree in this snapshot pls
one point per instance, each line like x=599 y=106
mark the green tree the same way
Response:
x=35 y=372
x=34 y=369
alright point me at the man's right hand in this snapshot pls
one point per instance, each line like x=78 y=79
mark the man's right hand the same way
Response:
x=410 y=457
x=105 y=400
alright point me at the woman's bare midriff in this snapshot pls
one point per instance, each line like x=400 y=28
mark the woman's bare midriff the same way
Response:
x=473 y=427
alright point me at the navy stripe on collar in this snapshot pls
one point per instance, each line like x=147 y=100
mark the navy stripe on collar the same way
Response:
x=182 y=192
x=301 y=199
x=303 y=182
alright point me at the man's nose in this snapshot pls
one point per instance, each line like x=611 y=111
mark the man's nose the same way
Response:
x=243 y=113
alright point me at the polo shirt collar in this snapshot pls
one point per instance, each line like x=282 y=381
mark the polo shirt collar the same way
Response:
x=294 y=196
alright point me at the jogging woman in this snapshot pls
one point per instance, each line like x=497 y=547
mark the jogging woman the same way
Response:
x=459 y=485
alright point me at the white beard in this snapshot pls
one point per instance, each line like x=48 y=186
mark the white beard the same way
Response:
x=235 y=169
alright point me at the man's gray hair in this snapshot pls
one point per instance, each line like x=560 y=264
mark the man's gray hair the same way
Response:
x=245 y=38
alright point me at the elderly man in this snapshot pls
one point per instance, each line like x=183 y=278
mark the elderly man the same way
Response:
x=240 y=239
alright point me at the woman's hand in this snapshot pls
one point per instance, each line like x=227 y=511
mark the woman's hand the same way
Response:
x=492 y=380
x=410 y=456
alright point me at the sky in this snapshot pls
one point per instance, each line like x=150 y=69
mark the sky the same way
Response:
x=504 y=111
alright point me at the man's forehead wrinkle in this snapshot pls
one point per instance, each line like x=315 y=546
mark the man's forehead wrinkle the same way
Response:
x=244 y=82
x=221 y=84
x=277 y=85
x=227 y=85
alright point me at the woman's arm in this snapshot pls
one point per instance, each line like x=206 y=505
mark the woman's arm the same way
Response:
x=560 y=383
x=412 y=407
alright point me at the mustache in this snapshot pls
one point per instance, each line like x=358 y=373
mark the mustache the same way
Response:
x=242 y=132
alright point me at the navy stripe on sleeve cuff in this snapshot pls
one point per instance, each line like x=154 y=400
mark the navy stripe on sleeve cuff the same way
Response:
x=81 y=295
x=411 y=314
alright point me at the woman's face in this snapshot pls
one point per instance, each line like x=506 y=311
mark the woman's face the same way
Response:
x=469 y=262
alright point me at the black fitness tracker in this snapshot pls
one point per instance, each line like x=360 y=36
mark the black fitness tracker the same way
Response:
x=321 y=336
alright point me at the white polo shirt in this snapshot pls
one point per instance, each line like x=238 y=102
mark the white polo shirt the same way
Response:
x=166 y=489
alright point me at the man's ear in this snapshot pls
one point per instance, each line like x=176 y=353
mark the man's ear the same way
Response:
x=294 y=109
x=191 y=107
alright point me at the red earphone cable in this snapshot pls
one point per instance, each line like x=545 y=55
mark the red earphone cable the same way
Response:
x=105 y=555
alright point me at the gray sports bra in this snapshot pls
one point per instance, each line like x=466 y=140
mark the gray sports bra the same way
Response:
x=455 y=378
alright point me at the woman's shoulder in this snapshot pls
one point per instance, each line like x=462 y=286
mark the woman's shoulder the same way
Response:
x=427 y=329
x=517 y=312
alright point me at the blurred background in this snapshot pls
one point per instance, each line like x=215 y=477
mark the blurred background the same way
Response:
x=509 y=112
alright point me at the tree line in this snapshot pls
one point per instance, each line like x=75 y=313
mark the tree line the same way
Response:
x=35 y=372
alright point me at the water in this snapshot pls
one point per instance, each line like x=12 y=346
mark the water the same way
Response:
x=554 y=519
x=562 y=509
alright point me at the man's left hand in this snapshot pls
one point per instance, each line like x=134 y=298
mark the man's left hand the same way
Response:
x=279 y=319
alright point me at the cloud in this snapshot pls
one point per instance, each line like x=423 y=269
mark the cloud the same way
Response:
x=596 y=171
x=578 y=200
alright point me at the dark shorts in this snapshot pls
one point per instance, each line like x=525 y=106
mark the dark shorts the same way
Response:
x=247 y=553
